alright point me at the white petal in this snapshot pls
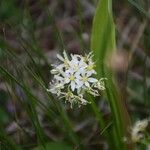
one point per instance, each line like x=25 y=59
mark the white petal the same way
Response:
x=70 y=71
x=60 y=57
x=54 y=71
x=59 y=78
x=92 y=80
x=87 y=84
x=72 y=85
x=65 y=54
x=77 y=75
x=67 y=80
x=89 y=73
x=79 y=84
x=78 y=91
x=60 y=67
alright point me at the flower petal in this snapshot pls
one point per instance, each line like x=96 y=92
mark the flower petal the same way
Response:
x=79 y=83
x=60 y=57
x=65 y=55
x=92 y=80
x=72 y=85
x=67 y=80
x=87 y=84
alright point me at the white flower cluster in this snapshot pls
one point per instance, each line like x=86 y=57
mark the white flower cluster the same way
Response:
x=73 y=78
x=148 y=147
x=137 y=131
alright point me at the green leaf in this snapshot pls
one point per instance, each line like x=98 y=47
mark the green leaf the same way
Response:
x=139 y=6
x=55 y=146
x=6 y=142
x=4 y=118
x=103 y=44
x=9 y=12
x=103 y=34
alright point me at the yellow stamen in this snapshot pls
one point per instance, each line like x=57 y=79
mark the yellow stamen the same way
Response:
x=72 y=77
x=90 y=67
x=66 y=63
x=84 y=78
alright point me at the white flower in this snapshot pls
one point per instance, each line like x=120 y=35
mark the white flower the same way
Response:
x=56 y=88
x=90 y=68
x=88 y=58
x=77 y=63
x=54 y=71
x=70 y=78
x=71 y=98
x=141 y=125
x=65 y=61
x=73 y=78
x=148 y=147
x=137 y=131
x=85 y=79
x=100 y=84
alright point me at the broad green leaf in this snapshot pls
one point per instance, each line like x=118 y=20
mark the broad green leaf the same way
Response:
x=103 y=34
x=103 y=45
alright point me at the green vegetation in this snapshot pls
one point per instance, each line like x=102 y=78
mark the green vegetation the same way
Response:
x=31 y=35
